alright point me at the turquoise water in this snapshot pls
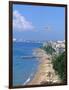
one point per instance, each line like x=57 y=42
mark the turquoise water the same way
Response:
x=24 y=69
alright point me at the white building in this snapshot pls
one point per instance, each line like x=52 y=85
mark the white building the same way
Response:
x=59 y=46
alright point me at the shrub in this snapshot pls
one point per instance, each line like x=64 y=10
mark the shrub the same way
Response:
x=59 y=65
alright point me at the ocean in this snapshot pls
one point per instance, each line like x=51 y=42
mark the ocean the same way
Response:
x=24 y=69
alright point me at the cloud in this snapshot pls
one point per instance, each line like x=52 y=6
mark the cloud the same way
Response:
x=20 y=22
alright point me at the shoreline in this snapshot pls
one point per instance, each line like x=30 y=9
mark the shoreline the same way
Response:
x=45 y=73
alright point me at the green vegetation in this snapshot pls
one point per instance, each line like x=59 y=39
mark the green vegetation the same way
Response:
x=58 y=61
x=48 y=49
x=59 y=65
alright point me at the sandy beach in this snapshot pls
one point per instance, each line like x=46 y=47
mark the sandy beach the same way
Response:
x=45 y=73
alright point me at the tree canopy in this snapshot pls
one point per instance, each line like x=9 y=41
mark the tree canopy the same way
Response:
x=59 y=65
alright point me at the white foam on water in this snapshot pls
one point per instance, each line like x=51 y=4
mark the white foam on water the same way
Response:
x=28 y=79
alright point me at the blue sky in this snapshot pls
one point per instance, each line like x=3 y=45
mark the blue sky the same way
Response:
x=38 y=22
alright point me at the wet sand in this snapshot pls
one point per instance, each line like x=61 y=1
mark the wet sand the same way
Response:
x=45 y=73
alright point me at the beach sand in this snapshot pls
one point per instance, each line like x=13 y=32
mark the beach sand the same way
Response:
x=45 y=73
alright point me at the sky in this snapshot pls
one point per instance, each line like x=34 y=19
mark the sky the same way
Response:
x=38 y=22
